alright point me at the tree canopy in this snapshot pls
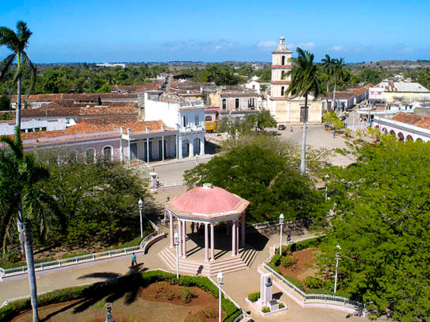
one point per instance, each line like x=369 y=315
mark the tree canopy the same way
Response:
x=381 y=222
x=263 y=170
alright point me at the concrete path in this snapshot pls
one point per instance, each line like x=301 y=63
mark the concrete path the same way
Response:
x=237 y=285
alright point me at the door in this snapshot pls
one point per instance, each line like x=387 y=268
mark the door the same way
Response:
x=133 y=149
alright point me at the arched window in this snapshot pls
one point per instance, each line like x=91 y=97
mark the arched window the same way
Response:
x=392 y=132
x=409 y=138
x=384 y=130
x=237 y=104
x=283 y=61
x=282 y=91
x=90 y=155
x=282 y=75
x=418 y=140
x=107 y=153
x=401 y=137
x=224 y=104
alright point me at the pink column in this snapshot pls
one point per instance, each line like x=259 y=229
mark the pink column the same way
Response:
x=184 y=245
x=206 y=243
x=212 y=242
x=242 y=241
x=172 y=234
x=233 y=239
x=180 y=236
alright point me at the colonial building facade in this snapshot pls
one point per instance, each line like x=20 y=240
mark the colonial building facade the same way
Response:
x=287 y=109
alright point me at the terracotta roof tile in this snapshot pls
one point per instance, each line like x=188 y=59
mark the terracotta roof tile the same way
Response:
x=420 y=121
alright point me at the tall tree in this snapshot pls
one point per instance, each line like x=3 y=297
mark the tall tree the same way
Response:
x=328 y=67
x=20 y=174
x=381 y=221
x=304 y=81
x=339 y=74
x=17 y=43
x=263 y=170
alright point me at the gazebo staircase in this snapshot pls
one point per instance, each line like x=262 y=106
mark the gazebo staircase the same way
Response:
x=225 y=264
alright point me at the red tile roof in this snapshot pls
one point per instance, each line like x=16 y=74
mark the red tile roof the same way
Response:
x=77 y=131
x=90 y=97
x=412 y=119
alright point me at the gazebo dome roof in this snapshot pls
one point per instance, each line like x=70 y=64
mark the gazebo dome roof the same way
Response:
x=208 y=201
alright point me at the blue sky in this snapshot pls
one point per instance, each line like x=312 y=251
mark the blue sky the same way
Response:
x=128 y=30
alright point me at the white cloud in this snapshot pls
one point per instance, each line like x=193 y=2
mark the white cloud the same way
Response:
x=335 y=48
x=267 y=45
x=191 y=44
x=307 y=45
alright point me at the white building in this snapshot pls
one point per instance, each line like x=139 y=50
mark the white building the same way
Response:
x=391 y=92
x=187 y=117
x=254 y=85
x=8 y=127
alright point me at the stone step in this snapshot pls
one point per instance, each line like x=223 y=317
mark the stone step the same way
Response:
x=202 y=268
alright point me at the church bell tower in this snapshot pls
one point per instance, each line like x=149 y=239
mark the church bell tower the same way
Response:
x=280 y=66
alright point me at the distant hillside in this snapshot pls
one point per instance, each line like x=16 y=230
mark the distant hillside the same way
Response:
x=394 y=64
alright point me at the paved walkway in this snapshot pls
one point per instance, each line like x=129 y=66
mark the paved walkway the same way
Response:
x=238 y=284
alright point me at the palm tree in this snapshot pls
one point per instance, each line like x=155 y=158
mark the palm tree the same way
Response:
x=304 y=81
x=339 y=74
x=17 y=43
x=328 y=67
x=25 y=197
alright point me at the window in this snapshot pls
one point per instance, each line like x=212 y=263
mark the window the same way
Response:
x=283 y=61
x=282 y=91
x=90 y=155
x=224 y=104
x=107 y=153
x=197 y=120
x=208 y=119
x=251 y=102
x=237 y=104
x=282 y=75
x=185 y=121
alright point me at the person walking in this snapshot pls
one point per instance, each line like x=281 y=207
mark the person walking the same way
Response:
x=133 y=259
x=192 y=228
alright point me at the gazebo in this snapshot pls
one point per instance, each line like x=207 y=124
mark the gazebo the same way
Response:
x=208 y=205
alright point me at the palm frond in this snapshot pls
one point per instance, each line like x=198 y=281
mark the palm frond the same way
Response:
x=5 y=65
x=9 y=39
x=33 y=71
x=23 y=35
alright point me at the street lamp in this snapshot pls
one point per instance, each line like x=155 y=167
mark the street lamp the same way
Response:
x=219 y=279
x=337 y=263
x=281 y=224
x=140 y=202
x=177 y=253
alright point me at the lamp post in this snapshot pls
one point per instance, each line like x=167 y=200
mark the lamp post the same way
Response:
x=337 y=264
x=281 y=224
x=219 y=279
x=177 y=253
x=140 y=202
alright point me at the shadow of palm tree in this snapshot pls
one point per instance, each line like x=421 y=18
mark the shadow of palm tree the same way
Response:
x=113 y=289
x=105 y=275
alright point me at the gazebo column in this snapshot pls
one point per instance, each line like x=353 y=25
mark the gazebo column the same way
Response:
x=171 y=230
x=212 y=242
x=184 y=236
x=180 y=236
x=237 y=236
x=242 y=240
x=233 y=239
x=206 y=243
